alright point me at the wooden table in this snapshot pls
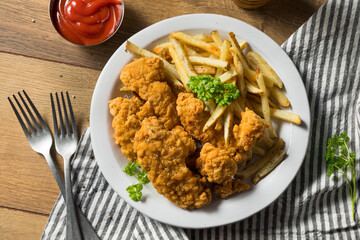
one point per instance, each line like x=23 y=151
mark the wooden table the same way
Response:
x=35 y=58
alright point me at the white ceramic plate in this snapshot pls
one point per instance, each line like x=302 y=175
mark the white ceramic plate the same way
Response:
x=220 y=212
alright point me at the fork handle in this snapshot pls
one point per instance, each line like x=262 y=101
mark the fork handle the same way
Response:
x=72 y=226
x=87 y=230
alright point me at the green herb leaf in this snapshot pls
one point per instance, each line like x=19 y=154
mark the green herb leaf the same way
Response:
x=338 y=159
x=207 y=87
x=142 y=177
x=135 y=191
x=130 y=169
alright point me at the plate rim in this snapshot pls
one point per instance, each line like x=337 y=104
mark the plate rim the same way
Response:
x=268 y=40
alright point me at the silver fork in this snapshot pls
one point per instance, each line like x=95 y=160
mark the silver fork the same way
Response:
x=66 y=143
x=40 y=139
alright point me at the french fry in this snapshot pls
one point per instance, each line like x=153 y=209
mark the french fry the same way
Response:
x=279 y=96
x=251 y=88
x=280 y=114
x=240 y=75
x=248 y=73
x=223 y=55
x=207 y=70
x=203 y=37
x=256 y=98
x=228 y=123
x=259 y=151
x=196 y=42
x=228 y=76
x=252 y=169
x=184 y=78
x=219 y=123
x=182 y=57
x=237 y=109
x=265 y=105
x=190 y=52
x=269 y=166
x=216 y=38
x=211 y=105
x=219 y=110
x=270 y=76
x=145 y=53
x=209 y=62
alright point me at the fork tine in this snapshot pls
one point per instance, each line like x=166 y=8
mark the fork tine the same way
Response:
x=26 y=131
x=31 y=128
x=73 y=125
x=65 y=115
x=62 y=132
x=43 y=124
x=30 y=113
x=56 y=132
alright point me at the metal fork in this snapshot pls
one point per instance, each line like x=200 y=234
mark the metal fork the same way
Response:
x=40 y=139
x=66 y=143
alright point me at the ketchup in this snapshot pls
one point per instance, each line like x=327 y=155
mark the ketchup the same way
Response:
x=88 y=22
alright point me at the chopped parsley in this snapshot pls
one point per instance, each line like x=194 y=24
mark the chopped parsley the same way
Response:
x=134 y=169
x=207 y=87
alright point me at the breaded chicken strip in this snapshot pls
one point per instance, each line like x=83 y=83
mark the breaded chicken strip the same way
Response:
x=193 y=117
x=128 y=114
x=216 y=164
x=146 y=76
x=250 y=131
x=162 y=153
x=230 y=187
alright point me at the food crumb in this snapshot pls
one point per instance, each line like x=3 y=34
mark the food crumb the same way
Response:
x=82 y=186
x=109 y=217
x=33 y=20
x=73 y=96
x=60 y=75
x=91 y=156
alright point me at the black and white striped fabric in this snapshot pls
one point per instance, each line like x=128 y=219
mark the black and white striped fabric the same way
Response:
x=326 y=52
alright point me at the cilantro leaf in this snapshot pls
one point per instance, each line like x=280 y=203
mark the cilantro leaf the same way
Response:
x=135 y=191
x=338 y=158
x=207 y=87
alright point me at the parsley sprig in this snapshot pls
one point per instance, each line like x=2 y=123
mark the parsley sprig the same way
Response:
x=134 y=169
x=207 y=87
x=338 y=158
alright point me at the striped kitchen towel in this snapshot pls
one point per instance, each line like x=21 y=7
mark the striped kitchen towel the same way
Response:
x=326 y=52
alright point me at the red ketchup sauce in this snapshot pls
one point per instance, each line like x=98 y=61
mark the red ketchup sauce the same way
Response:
x=88 y=22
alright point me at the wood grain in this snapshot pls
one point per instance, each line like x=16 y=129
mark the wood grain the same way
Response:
x=16 y=224
x=20 y=35
x=25 y=178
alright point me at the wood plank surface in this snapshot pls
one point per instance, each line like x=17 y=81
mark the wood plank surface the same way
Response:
x=20 y=35
x=26 y=181
x=34 y=57
x=27 y=225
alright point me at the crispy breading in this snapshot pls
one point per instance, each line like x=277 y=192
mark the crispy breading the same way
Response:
x=216 y=164
x=250 y=131
x=162 y=153
x=128 y=114
x=146 y=76
x=230 y=187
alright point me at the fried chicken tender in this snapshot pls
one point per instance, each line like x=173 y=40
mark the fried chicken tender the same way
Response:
x=193 y=117
x=216 y=164
x=250 y=131
x=162 y=153
x=146 y=76
x=128 y=114
x=230 y=187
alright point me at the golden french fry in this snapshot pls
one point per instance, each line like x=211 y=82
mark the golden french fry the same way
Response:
x=182 y=57
x=270 y=76
x=280 y=96
x=228 y=123
x=203 y=37
x=237 y=109
x=209 y=62
x=265 y=105
x=219 y=110
x=207 y=70
x=268 y=141
x=259 y=151
x=196 y=42
x=216 y=38
x=228 y=76
x=248 y=73
x=223 y=55
x=184 y=78
x=145 y=53
x=219 y=124
x=240 y=75
x=269 y=166
x=211 y=105
x=190 y=52
x=252 y=169
x=251 y=88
